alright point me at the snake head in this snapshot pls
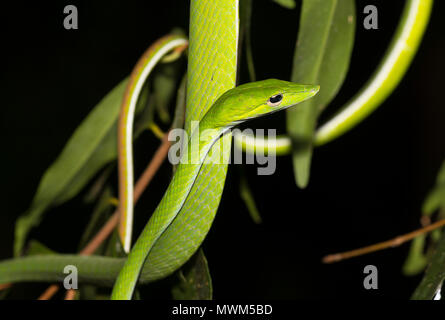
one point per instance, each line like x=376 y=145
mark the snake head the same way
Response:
x=257 y=99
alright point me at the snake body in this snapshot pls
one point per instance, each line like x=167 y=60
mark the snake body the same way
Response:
x=212 y=60
x=235 y=106
x=182 y=219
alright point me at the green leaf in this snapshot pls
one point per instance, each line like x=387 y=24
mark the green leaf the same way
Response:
x=435 y=200
x=179 y=117
x=92 y=145
x=194 y=281
x=98 y=186
x=322 y=56
x=164 y=86
x=245 y=34
x=288 y=4
x=146 y=117
x=247 y=196
x=114 y=246
x=434 y=275
x=87 y=292
x=416 y=261
x=37 y=248
x=436 y=197
x=98 y=218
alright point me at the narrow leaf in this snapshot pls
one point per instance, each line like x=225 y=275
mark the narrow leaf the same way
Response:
x=194 y=281
x=98 y=186
x=246 y=36
x=114 y=247
x=98 y=217
x=288 y=4
x=434 y=275
x=146 y=118
x=179 y=117
x=88 y=292
x=436 y=197
x=37 y=248
x=88 y=149
x=416 y=260
x=434 y=201
x=322 y=56
x=247 y=196
x=164 y=86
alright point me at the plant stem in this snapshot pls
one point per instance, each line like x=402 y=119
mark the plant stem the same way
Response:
x=382 y=245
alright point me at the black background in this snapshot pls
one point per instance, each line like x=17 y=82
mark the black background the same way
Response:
x=365 y=187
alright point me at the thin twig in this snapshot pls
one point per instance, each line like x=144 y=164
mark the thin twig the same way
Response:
x=152 y=168
x=105 y=231
x=382 y=245
x=70 y=294
x=100 y=237
x=49 y=292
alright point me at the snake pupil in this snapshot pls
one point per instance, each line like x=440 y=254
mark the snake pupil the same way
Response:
x=275 y=100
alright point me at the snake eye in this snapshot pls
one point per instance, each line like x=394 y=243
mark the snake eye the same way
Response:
x=275 y=100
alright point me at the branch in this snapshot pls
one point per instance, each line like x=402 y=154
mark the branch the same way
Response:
x=382 y=245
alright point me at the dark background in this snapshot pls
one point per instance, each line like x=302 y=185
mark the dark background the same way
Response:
x=365 y=187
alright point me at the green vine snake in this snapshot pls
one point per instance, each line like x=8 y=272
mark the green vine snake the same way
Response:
x=184 y=216
x=177 y=217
